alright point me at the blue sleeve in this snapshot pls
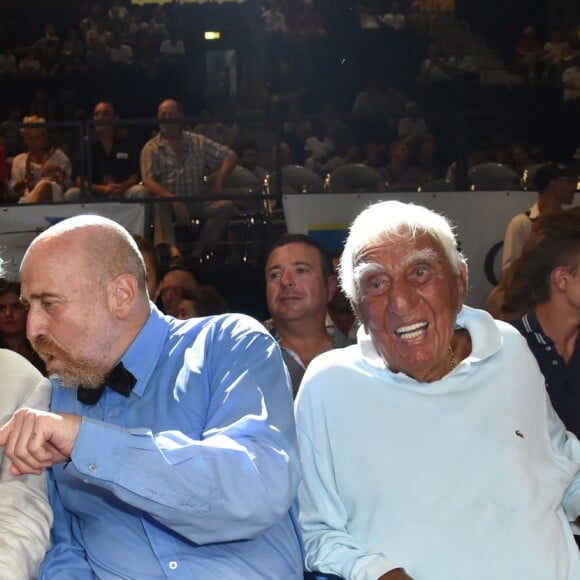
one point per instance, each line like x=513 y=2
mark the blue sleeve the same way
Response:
x=66 y=559
x=235 y=479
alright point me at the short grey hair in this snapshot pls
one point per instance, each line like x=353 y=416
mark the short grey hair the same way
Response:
x=393 y=221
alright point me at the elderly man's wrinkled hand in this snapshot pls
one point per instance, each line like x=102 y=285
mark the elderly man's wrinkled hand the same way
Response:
x=34 y=440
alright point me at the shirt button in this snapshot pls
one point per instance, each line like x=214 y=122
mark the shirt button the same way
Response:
x=548 y=348
x=173 y=565
x=92 y=467
x=113 y=415
x=554 y=362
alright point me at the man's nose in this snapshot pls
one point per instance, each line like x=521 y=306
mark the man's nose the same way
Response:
x=286 y=279
x=402 y=297
x=34 y=324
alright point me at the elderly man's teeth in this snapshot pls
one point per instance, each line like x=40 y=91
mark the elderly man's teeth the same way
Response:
x=411 y=331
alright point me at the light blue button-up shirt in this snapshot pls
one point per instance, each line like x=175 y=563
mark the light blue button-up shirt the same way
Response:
x=193 y=475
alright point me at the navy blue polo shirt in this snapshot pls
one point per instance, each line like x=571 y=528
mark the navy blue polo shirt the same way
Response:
x=562 y=379
x=122 y=162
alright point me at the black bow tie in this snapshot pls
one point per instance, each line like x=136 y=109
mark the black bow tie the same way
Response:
x=119 y=379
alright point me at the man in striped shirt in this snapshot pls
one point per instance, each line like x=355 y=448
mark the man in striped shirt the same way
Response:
x=173 y=166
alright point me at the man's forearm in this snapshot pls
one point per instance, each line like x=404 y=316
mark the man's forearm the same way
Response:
x=156 y=189
x=227 y=166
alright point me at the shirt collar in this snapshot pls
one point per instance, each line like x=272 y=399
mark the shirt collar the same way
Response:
x=531 y=325
x=150 y=340
x=163 y=142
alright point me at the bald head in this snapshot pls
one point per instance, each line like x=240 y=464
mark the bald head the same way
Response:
x=84 y=283
x=104 y=249
x=170 y=117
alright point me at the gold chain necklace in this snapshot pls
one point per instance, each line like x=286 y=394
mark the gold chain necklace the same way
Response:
x=451 y=357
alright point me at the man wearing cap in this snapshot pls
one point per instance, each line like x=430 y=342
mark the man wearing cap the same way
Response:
x=556 y=185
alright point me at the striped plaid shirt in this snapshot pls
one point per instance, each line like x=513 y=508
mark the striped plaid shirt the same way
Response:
x=182 y=175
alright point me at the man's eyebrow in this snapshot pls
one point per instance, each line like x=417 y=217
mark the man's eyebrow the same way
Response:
x=419 y=256
x=365 y=268
x=41 y=296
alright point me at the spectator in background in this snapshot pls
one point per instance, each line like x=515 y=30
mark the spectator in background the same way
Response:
x=375 y=156
x=118 y=12
x=13 y=324
x=174 y=282
x=158 y=25
x=248 y=154
x=42 y=104
x=528 y=52
x=368 y=14
x=204 y=301
x=556 y=52
x=340 y=314
x=121 y=52
x=462 y=65
x=29 y=66
x=8 y=65
x=428 y=162
x=370 y=103
x=67 y=105
x=394 y=19
x=412 y=126
x=300 y=281
x=399 y=175
x=173 y=164
x=284 y=86
x=48 y=49
x=308 y=21
x=556 y=185
x=72 y=47
x=571 y=82
x=215 y=130
x=434 y=69
x=172 y=49
x=318 y=147
x=545 y=280
x=114 y=161
x=296 y=129
x=395 y=103
x=274 y=18
x=520 y=158
x=40 y=174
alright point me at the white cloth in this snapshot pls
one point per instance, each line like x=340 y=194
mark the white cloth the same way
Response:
x=459 y=479
x=25 y=515
x=515 y=235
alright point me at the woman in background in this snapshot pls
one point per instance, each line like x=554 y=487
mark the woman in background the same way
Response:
x=13 y=324
x=42 y=173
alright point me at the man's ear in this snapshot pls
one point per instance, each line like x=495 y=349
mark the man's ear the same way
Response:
x=123 y=292
x=559 y=278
